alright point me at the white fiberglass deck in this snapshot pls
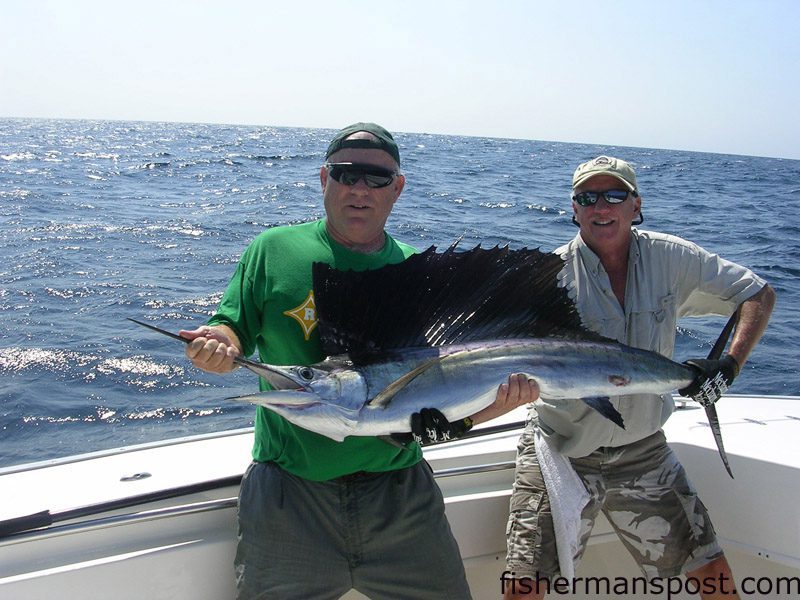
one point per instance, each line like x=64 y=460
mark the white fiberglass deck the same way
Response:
x=182 y=547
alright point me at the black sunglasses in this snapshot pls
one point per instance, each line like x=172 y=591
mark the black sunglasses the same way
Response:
x=350 y=173
x=611 y=196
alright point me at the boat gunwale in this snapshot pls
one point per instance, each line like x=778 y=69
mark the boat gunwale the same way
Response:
x=37 y=526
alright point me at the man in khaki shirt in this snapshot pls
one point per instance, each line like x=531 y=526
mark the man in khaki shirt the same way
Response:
x=632 y=286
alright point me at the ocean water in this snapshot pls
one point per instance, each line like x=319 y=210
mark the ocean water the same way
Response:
x=100 y=221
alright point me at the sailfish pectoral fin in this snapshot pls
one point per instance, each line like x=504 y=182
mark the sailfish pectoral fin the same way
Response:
x=603 y=405
x=384 y=397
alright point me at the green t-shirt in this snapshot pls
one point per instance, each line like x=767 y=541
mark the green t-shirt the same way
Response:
x=269 y=303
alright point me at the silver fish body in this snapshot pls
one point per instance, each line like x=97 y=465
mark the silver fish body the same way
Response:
x=338 y=398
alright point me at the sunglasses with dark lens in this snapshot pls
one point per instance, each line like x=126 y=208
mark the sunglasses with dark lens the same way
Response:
x=351 y=173
x=611 y=196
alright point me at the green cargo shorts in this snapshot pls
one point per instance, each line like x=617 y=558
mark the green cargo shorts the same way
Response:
x=383 y=534
x=642 y=490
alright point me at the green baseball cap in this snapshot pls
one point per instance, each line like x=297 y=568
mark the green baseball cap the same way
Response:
x=383 y=140
x=605 y=165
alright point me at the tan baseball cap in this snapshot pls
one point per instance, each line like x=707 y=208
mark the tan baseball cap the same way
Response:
x=605 y=165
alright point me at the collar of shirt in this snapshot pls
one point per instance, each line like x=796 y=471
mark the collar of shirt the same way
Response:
x=592 y=261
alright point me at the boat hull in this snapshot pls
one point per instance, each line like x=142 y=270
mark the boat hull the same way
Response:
x=183 y=546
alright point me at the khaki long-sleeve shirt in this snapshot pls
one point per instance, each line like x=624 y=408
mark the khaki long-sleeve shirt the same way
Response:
x=668 y=278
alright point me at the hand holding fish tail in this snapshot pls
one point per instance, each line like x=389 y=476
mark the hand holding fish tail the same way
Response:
x=212 y=349
x=518 y=391
x=713 y=379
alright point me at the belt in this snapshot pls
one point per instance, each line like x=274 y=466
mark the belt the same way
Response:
x=357 y=476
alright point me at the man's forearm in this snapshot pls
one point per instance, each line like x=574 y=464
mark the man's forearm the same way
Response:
x=753 y=318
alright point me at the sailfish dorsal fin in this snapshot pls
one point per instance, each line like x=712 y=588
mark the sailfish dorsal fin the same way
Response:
x=437 y=298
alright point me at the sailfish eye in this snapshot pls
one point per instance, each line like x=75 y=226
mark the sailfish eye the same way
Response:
x=306 y=373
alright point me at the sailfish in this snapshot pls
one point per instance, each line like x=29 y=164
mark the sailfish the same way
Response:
x=443 y=330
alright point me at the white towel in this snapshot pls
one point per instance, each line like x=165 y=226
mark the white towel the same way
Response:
x=567 y=496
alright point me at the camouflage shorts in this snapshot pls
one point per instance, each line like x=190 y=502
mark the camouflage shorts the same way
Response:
x=642 y=490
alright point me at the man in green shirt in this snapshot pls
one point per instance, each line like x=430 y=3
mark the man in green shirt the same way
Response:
x=319 y=517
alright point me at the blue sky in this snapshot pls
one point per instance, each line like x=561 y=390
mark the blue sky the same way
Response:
x=704 y=75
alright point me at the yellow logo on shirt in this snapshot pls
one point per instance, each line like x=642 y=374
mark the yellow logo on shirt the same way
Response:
x=305 y=314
